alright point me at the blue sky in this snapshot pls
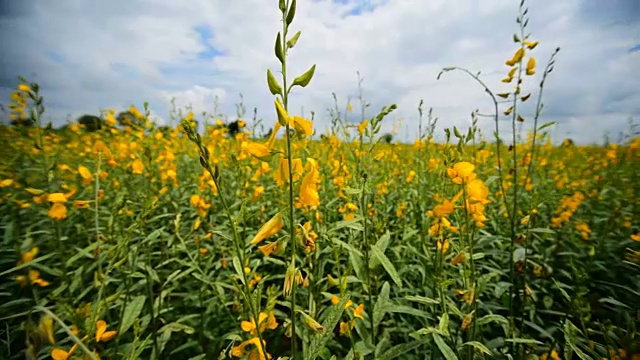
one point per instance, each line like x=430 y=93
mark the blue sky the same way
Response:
x=89 y=56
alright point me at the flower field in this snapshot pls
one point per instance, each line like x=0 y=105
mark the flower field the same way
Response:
x=206 y=241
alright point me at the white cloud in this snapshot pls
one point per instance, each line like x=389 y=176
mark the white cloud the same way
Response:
x=95 y=55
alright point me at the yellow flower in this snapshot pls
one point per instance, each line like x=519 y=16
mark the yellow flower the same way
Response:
x=443 y=246
x=29 y=255
x=101 y=148
x=81 y=204
x=260 y=151
x=111 y=120
x=135 y=112
x=346 y=327
x=102 y=334
x=477 y=191
x=462 y=171
x=554 y=355
x=531 y=44
x=336 y=300
x=45 y=327
x=531 y=65
x=58 y=211
x=24 y=88
x=302 y=127
x=86 y=175
x=34 y=279
x=444 y=209
x=271 y=227
x=309 y=196
x=635 y=237
x=60 y=354
x=257 y=192
x=357 y=312
x=362 y=127
x=254 y=354
x=269 y=248
x=6 y=183
x=517 y=57
x=460 y=258
x=281 y=175
x=411 y=176
x=137 y=166
x=57 y=198
x=265 y=321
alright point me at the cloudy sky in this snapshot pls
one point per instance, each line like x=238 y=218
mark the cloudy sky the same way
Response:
x=90 y=55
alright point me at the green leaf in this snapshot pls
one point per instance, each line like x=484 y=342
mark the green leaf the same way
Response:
x=457 y=133
x=319 y=340
x=292 y=12
x=304 y=79
x=294 y=39
x=386 y=264
x=356 y=263
x=524 y=341
x=544 y=126
x=444 y=348
x=403 y=309
x=542 y=231
x=131 y=313
x=352 y=224
x=492 y=318
x=398 y=350
x=352 y=191
x=339 y=243
x=238 y=267
x=478 y=346
x=380 y=308
x=177 y=327
x=443 y=325
x=382 y=244
x=613 y=301
x=278 y=49
x=422 y=300
x=428 y=331
x=274 y=86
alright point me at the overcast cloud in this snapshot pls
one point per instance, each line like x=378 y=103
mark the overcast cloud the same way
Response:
x=92 y=55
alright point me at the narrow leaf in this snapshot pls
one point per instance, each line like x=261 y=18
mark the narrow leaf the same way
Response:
x=444 y=348
x=274 y=86
x=304 y=79
x=399 y=350
x=278 y=49
x=292 y=12
x=380 y=308
x=131 y=313
x=388 y=266
x=319 y=340
x=292 y=42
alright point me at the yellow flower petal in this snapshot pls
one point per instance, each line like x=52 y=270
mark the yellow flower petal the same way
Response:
x=271 y=227
x=101 y=327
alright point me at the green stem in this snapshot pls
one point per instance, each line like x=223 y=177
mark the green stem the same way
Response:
x=366 y=245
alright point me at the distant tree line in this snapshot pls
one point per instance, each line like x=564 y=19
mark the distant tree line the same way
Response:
x=126 y=118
